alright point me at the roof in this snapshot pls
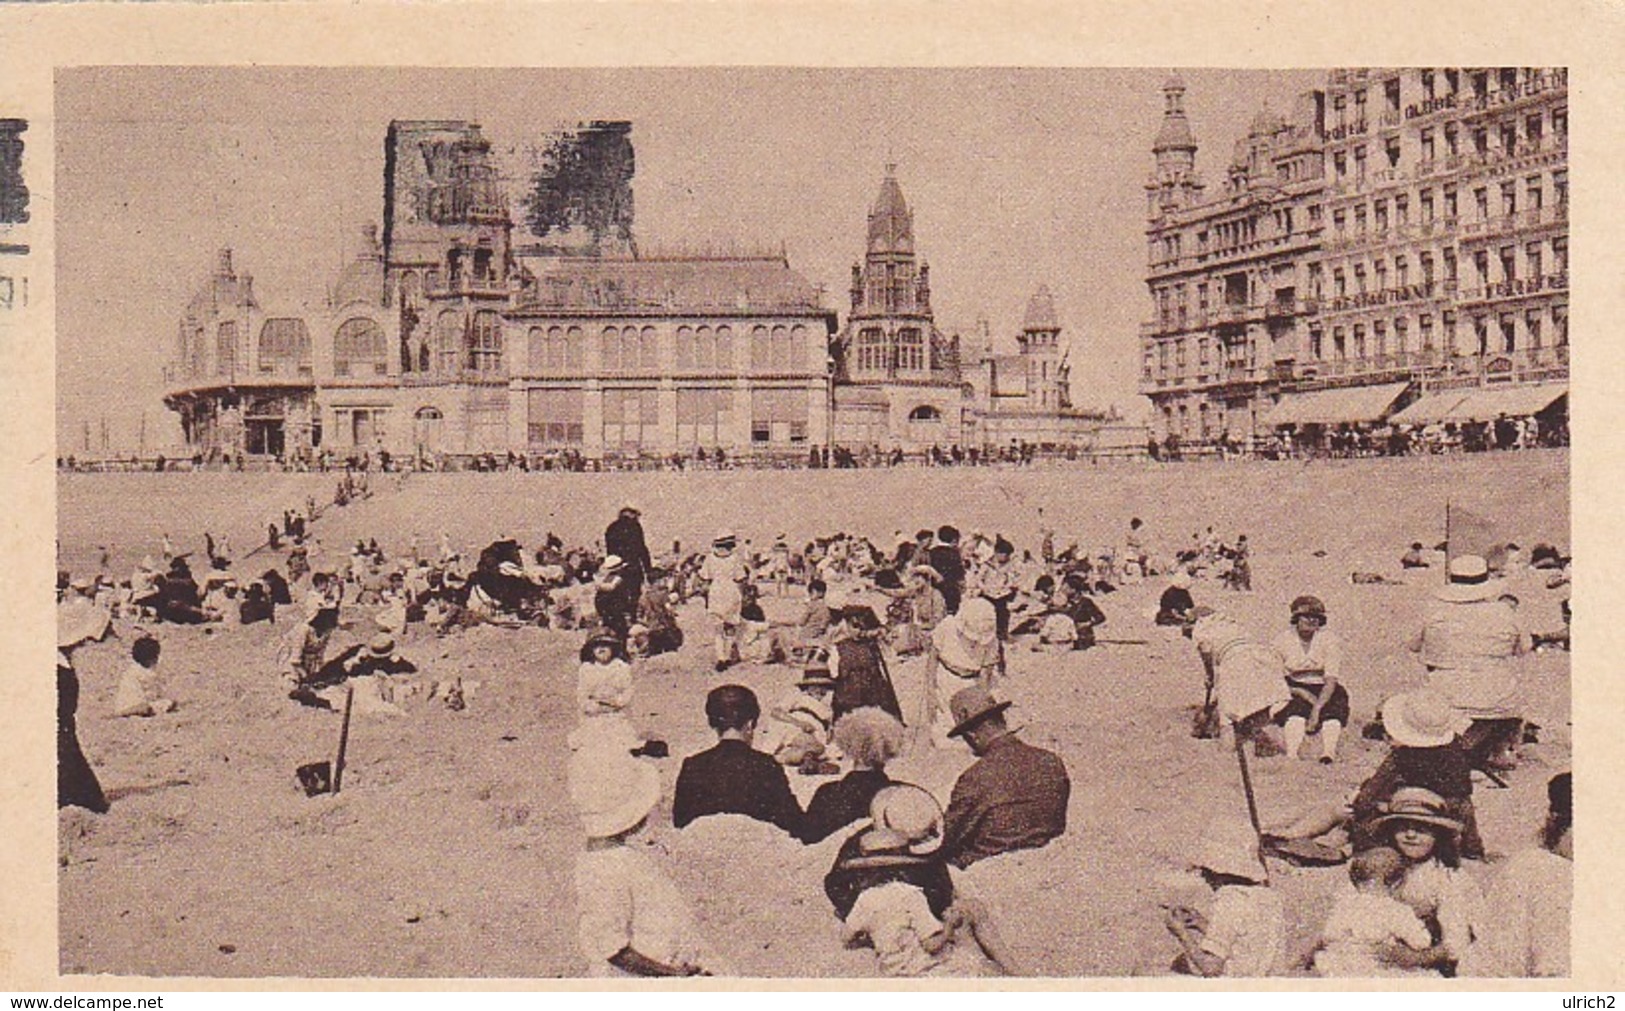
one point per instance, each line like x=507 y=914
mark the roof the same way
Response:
x=1334 y=407
x=1041 y=311
x=1432 y=408
x=677 y=284
x=891 y=223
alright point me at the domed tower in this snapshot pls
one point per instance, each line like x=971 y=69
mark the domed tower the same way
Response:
x=1173 y=183
x=1040 y=343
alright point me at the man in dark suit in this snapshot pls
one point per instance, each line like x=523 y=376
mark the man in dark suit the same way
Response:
x=949 y=564
x=623 y=538
x=733 y=777
x=1014 y=797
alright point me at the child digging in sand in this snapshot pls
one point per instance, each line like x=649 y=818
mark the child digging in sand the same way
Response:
x=1367 y=917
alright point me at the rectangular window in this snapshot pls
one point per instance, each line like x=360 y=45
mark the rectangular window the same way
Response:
x=1532 y=259
x=778 y=416
x=1426 y=205
x=1533 y=193
x=630 y=418
x=1427 y=145
x=1402 y=210
x=1531 y=326
x=1424 y=326
x=702 y=417
x=554 y=417
x=1450 y=210
x=1509 y=198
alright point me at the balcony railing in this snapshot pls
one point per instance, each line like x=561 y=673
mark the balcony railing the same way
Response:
x=1516 y=287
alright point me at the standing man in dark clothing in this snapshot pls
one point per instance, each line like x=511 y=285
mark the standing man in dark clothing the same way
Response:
x=623 y=538
x=733 y=777
x=1013 y=798
x=949 y=564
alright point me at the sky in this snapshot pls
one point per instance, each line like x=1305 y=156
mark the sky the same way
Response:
x=1016 y=178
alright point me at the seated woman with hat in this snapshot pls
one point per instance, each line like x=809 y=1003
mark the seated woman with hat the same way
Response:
x=1418 y=824
x=1467 y=641
x=1313 y=662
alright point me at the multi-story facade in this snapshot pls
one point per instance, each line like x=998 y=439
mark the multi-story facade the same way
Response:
x=1403 y=234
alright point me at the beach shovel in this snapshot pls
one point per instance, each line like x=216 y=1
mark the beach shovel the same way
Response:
x=317 y=778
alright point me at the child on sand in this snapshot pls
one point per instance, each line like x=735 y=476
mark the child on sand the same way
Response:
x=133 y=697
x=798 y=729
x=890 y=888
x=1243 y=933
x=1367 y=917
x=632 y=921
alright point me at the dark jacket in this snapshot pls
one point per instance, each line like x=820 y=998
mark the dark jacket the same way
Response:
x=837 y=805
x=624 y=537
x=734 y=778
x=950 y=568
x=1013 y=798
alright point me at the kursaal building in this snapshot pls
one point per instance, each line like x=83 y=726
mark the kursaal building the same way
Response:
x=452 y=334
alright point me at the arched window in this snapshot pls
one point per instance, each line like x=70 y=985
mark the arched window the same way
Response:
x=910 y=350
x=705 y=349
x=537 y=346
x=781 y=348
x=575 y=349
x=685 y=348
x=284 y=346
x=725 y=349
x=761 y=348
x=798 y=347
x=485 y=343
x=448 y=342
x=631 y=350
x=871 y=350
x=651 y=349
x=610 y=350
x=358 y=349
x=925 y=412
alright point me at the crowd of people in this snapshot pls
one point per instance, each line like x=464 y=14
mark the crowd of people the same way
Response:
x=953 y=606
x=1356 y=440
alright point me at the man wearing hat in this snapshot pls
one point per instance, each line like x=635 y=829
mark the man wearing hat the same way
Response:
x=1468 y=639
x=623 y=538
x=724 y=574
x=1015 y=795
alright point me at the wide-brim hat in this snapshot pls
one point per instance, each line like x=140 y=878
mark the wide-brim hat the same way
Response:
x=816 y=677
x=612 y=563
x=604 y=639
x=970 y=706
x=725 y=539
x=382 y=645
x=1229 y=846
x=1470 y=593
x=613 y=797
x=978 y=620
x=628 y=506
x=78 y=620
x=1419 y=805
x=1422 y=719
x=905 y=815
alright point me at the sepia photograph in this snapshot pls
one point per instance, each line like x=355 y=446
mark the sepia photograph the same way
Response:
x=810 y=522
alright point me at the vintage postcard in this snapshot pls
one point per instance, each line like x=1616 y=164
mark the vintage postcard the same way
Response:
x=1091 y=516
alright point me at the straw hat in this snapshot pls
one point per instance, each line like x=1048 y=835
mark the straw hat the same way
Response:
x=1470 y=581
x=1419 y=805
x=612 y=798
x=725 y=539
x=381 y=645
x=1181 y=580
x=1230 y=846
x=904 y=815
x=80 y=619
x=971 y=706
x=978 y=621
x=1422 y=719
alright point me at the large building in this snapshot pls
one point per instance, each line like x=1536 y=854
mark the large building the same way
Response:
x=1397 y=243
x=446 y=335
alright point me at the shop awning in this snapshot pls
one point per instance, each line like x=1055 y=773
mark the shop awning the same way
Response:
x=1431 y=409
x=1336 y=407
x=1490 y=402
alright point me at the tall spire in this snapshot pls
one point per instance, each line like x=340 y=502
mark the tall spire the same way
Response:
x=891 y=223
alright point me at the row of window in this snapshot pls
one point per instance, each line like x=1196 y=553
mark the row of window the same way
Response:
x=1530 y=329
x=631 y=417
x=875 y=354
